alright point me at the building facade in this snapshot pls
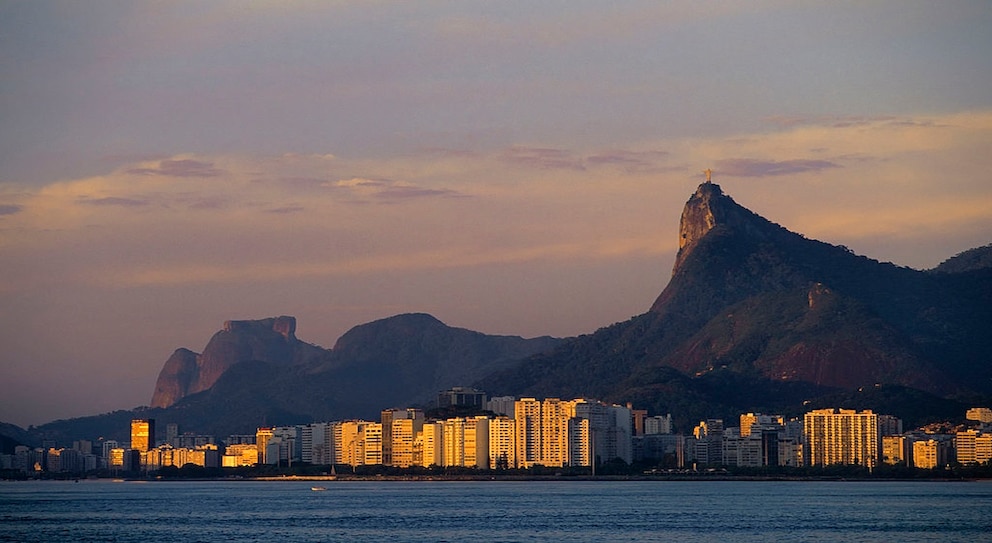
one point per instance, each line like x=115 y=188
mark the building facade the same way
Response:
x=841 y=436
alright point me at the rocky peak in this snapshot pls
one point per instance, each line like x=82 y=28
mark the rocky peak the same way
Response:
x=271 y=340
x=708 y=209
x=284 y=326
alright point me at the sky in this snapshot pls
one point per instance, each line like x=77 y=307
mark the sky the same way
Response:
x=508 y=167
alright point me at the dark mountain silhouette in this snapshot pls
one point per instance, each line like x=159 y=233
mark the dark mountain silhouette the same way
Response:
x=254 y=373
x=758 y=317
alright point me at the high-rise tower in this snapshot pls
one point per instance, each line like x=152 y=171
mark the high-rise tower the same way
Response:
x=142 y=434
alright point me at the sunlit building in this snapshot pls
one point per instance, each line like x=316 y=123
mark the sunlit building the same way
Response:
x=399 y=431
x=527 y=413
x=929 y=454
x=555 y=414
x=240 y=455
x=841 y=436
x=430 y=444
x=370 y=443
x=262 y=438
x=897 y=450
x=980 y=414
x=453 y=439
x=502 y=443
x=142 y=434
x=358 y=442
x=973 y=447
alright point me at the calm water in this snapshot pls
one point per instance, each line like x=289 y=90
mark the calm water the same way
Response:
x=731 y=511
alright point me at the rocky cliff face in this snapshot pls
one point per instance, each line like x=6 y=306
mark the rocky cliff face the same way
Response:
x=270 y=340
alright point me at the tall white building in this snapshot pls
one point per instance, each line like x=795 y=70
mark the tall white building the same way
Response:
x=430 y=444
x=841 y=436
x=502 y=443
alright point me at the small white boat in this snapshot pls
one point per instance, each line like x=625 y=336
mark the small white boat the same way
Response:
x=318 y=488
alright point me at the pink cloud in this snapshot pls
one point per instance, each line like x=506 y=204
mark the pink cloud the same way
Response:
x=180 y=168
x=748 y=167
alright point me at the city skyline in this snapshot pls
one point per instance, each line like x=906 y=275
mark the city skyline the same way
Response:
x=527 y=433
x=510 y=168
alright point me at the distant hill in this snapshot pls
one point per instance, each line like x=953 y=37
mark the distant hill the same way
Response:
x=254 y=373
x=979 y=258
x=756 y=317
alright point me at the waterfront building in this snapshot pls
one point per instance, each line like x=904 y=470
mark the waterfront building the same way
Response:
x=240 y=455
x=502 y=443
x=973 y=447
x=709 y=442
x=105 y=449
x=317 y=443
x=527 y=413
x=262 y=437
x=580 y=442
x=841 y=436
x=453 y=448
x=358 y=442
x=983 y=449
x=397 y=449
x=555 y=414
x=897 y=450
x=370 y=444
x=543 y=432
x=929 y=454
x=142 y=434
x=476 y=442
x=609 y=435
x=790 y=452
x=431 y=444
x=290 y=444
x=115 y=459
x=403 y=435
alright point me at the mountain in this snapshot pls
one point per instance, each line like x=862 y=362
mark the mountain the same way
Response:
x=979 y=258
x=754 y=318
x=270 y=340
x=758 y=317
x=256 y=372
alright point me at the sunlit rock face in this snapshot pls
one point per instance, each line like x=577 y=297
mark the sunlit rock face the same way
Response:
x=178 y=373
x=710 y=208
x=186 y=372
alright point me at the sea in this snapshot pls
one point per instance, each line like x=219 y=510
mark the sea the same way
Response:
x=495 y=511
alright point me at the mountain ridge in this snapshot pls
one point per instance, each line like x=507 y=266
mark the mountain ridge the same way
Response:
x=752 y=303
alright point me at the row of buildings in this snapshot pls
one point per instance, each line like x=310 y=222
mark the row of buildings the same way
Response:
x=527 y=432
